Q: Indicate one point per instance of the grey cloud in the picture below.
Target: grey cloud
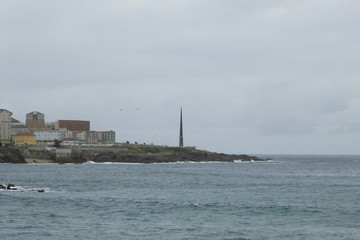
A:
(256, 74)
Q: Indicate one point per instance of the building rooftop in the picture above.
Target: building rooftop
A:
(41, 129)
(4, 110)
(35, 112)
(72, 120)
(13, 120)
(24, 134)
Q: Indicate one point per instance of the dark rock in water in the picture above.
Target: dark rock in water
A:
(11, 187)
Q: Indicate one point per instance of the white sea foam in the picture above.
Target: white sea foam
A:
(238, 161)
(202, 162)
(90, 162)
(25, 189)
(179, 162)
(251, 161)
(188, 162)
(110, 163)
(128, 163)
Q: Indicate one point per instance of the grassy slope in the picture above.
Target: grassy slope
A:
(144, 149)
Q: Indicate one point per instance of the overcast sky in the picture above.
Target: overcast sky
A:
(253, 76)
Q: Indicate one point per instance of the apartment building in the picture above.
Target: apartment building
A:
(5, 126)
(92, 136)
(106, 136)
(49, 135)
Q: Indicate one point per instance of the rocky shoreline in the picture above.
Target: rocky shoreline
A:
(11, 155)
(122, 154)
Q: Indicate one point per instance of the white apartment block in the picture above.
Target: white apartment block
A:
(48, 135)
(92, 136)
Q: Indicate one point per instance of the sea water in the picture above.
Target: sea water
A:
(290, 197)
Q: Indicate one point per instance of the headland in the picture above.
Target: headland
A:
(124, 153)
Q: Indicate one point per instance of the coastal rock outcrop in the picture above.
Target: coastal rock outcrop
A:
(154, 154)
(11, 155)
(125, 153)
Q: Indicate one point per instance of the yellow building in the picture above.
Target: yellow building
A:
(24, 138)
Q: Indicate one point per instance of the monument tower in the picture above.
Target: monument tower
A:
(181, 138)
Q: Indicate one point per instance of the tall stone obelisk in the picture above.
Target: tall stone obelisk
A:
(181, 138)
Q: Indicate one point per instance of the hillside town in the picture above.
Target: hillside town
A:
(36, 131)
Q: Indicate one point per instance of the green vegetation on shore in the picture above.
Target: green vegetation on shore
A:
(145, 149)
(11, 155)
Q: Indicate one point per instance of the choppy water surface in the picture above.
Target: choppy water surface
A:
(291, 197)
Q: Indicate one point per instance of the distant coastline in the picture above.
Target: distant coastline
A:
(125, 153)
